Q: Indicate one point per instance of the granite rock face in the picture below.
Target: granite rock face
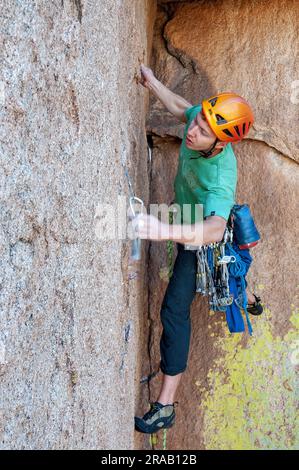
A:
(79, 332)
(71, 113)
(235, 386)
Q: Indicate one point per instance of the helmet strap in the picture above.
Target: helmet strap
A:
(209, 152)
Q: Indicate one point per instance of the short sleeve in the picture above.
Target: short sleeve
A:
(191, 112)
(218, 203)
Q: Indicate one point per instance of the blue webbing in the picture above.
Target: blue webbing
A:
(237, 285)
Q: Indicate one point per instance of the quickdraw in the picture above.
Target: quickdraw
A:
(136, 242)
(212, 276)
(133, 201)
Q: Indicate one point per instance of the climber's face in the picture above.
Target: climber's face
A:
(199, 135)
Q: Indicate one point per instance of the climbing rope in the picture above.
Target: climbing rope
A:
(153, 439)
(164, 438)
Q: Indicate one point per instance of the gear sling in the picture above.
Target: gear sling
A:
(222, 268)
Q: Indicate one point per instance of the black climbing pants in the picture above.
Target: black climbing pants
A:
(175, 313)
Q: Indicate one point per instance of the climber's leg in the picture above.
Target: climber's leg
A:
(170, 384)
(175, 318)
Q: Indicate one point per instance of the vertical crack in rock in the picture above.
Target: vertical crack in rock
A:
(126, 304)
(73, 379)
(127, 336)
(150, 321)
(78, 5)
(68, 302)
(74, 110)
(83, 419)
(185, 60)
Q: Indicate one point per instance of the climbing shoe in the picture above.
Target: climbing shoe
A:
(256, 308)
(158, 417)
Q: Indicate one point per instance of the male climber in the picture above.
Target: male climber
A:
(207, 175)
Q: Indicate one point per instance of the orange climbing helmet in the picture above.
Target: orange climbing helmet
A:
(229, 116)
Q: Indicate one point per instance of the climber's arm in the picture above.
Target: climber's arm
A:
(175, 104)
(210, 230)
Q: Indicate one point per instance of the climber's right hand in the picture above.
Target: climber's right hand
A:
(147, 76)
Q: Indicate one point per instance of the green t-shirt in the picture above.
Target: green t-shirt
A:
(210, 182)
